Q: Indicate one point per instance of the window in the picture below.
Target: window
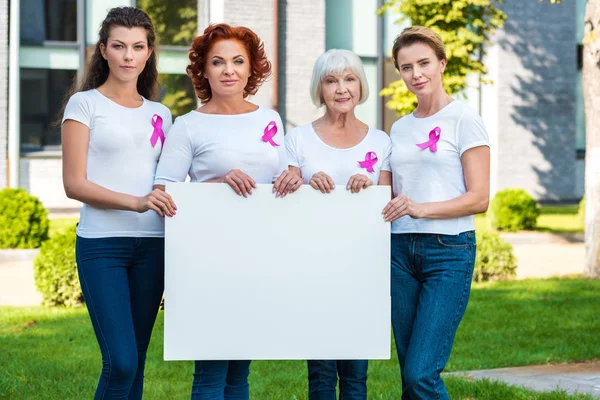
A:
(352, 25)
(48, 20)
(42, 95)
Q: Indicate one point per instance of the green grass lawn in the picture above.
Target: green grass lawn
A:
(552, 219)
(506, 324)
(560, 219)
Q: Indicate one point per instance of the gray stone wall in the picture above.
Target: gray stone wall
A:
(4, 12)
(536, 80)
(258, 15)
(300, 40)
(300, 45)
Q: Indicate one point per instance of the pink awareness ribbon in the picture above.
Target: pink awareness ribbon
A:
(157, 123)
(370, 160)
(434, 137)
(269, 133)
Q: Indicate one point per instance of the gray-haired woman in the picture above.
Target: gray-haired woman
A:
(339, 149)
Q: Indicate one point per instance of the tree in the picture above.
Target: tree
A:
(591, 94)
(464, 26)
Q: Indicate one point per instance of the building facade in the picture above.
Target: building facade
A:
(533, 109)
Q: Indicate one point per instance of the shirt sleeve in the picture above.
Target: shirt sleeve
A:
(79, 108)
(283, 165)
(471, 132)
(291, 148)
(177, 154)
(167, 121)
(385, 165)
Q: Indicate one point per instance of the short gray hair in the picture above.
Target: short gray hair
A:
(336, 61)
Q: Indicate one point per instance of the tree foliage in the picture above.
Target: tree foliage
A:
(176, 24)
(175, 21)
(464, 26)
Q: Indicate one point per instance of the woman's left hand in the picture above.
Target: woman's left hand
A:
(288, 182)
(400, 206)
(357, 182)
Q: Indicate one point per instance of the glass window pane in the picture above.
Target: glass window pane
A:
(391, 29)
(42, 95)
(352, 25)
(175, 21)
(367, 112)
(48, 20)
(177, 93)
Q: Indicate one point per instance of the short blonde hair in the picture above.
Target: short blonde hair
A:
(336, 61)
(419, 34)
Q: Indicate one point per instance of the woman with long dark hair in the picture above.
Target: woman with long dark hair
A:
(112, 137)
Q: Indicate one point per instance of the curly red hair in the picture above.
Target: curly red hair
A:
(260, 67)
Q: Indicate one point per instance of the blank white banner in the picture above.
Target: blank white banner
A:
(301, 277)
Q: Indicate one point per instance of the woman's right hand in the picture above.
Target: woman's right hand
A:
(321, 181)
(157, 200)
(241, 183)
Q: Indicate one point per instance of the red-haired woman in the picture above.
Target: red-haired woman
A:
(227, 140)
(112, 137)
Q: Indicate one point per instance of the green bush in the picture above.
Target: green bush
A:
(23, 220)
(514, 210)
(494, 258)
(55, 271)
(581, 212)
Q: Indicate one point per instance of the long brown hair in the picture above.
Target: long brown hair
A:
(96, 71)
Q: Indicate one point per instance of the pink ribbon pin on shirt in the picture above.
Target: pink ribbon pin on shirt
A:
(157, 123)
(269, 133)
(370, 160)
(434, 137)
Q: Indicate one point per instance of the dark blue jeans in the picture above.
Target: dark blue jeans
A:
(323, 376)
(431, 283)
(221, 380)
(122, 280)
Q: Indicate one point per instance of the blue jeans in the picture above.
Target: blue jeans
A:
(323, 376)
(431, 282)
(122, 280)
(221, 380)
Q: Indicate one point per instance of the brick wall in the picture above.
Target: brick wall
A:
(42, 177)
(259, 16)
(303, 42)
(536, 80)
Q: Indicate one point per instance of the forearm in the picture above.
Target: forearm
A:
(97, 196)
(469, 203)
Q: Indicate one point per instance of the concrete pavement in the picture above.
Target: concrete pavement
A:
(573, 378)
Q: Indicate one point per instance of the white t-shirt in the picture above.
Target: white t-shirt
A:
(308, 152)
(427, 176)
(208, 146)
(120, 158)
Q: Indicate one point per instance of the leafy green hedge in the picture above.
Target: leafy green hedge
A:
(494, 258)
(23, 220)
(55, 271)
(513, 210)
